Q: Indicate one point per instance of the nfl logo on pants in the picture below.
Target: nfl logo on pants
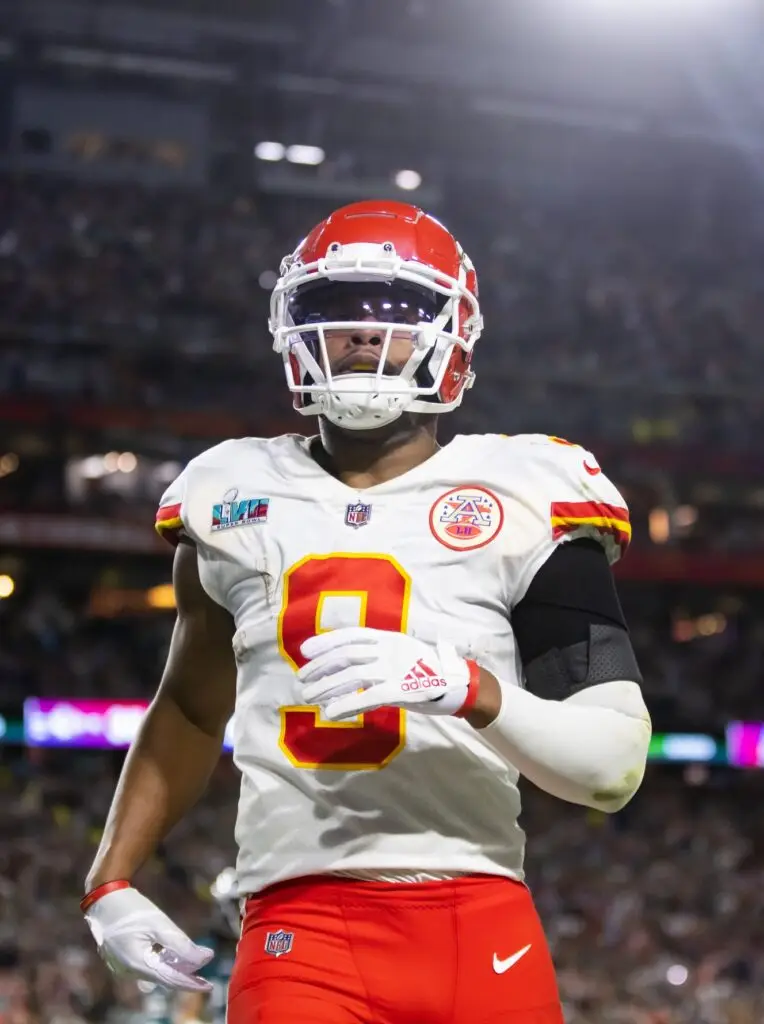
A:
(278, 943)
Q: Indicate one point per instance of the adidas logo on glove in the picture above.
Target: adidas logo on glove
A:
(422, 677)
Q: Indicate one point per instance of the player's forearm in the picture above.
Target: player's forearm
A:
(590, 749)
(165, 773)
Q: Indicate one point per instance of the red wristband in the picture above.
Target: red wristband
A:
(95, 895)
(472, 689)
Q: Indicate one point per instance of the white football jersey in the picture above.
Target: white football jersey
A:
(446, 550)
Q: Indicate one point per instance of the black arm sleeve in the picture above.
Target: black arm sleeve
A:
(569, 627)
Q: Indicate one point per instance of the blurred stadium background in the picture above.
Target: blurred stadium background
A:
(602, 162)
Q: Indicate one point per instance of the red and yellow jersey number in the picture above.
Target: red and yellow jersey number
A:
(382, 588)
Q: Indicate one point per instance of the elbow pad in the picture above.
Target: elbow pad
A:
(605, 657)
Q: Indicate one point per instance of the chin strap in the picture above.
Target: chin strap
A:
(367, 406)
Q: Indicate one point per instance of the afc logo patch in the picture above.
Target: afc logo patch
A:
(466, 518)
(278, 943)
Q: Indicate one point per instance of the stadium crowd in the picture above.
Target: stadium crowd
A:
(53, 807)
(640, 328)
(57, 643)
(654, 915)
(609, 316)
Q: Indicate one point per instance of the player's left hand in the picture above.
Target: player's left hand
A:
(357, 669)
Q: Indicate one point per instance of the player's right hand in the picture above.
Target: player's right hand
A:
(136, 938)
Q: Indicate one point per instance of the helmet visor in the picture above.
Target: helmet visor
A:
(394, 302)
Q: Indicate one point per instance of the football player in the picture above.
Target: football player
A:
(403, 629)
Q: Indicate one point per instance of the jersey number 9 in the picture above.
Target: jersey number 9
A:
(382, 588)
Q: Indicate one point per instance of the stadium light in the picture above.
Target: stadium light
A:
(9, 464)
(311, 156)
(685, 516)
(270, 151)
(7, 586)
(224, 885)
(677, 974)
(267, 280)
(648, 12)
(167, 471)
(161, 597)
(111, 462)
(127, 462)
(408, 180)
(659, 525)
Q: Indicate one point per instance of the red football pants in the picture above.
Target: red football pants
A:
(466, 951)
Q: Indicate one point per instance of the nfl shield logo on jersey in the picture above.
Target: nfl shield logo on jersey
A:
(278, 943)
(357, 515)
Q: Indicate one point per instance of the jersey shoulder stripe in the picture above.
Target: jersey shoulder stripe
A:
(570, 516)
(168, 522)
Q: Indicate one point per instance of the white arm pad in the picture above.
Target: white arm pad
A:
(590, 749)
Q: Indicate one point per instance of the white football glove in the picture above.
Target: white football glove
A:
(135, 937)
(390, 669)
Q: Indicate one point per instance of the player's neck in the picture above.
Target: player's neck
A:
(364, 458)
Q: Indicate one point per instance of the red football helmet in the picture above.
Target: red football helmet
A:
(381, 267)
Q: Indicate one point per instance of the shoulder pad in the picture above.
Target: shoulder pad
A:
(579, 499)
(170, 521)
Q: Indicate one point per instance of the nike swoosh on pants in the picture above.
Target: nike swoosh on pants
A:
(500, 966)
